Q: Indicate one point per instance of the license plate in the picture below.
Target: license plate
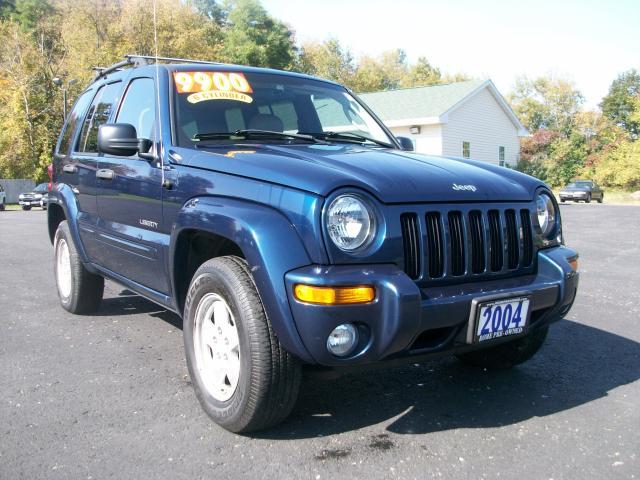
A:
(501, 318)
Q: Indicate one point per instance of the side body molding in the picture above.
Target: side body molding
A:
(270, 244)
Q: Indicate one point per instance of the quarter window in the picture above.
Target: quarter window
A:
(139, 107)
(98, 114)
(72, 122)
(466, 149)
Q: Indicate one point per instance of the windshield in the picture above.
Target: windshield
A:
(208, 102)
(579, 185)
(41, 188)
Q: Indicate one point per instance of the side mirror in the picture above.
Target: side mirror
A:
(121, 139)
(406, 143)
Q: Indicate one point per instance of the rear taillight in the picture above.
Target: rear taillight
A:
(50, 172)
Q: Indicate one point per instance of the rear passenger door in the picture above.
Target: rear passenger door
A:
(130, 226)
(80, 165)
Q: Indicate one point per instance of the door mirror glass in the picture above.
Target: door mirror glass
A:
(405, 143)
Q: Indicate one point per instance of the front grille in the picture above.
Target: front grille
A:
(453, 244)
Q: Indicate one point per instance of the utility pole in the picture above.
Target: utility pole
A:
(60, 84)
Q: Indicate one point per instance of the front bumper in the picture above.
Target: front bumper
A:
(573, 195)
(31, 203)
(406, 321)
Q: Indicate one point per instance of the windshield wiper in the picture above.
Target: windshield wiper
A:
(351, 137)
(252, 133)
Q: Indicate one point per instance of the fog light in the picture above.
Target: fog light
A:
(343, 340)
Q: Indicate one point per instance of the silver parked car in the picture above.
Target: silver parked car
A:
(39, 197)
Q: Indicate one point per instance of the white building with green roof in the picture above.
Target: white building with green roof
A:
(464, 119)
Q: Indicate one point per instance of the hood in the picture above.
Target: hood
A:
(391, 175)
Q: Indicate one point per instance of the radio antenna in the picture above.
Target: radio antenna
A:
(158, 135)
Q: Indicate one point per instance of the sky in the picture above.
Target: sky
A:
(589, 42)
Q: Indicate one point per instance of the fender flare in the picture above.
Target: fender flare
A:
(270, 244)
(63, 196)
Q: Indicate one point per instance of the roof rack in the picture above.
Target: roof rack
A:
(142, 60)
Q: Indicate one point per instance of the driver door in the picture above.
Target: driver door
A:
(129, 192)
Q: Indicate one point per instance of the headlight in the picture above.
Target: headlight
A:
(546, 214)
(350, 223)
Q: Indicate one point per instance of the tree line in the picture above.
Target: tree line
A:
(568, 142)
(43, 40)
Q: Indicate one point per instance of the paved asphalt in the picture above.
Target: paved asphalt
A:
(108, 396)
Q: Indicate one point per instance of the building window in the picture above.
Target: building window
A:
(466, 149)
(501, 156)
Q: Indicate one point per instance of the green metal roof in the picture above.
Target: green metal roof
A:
(419, 102)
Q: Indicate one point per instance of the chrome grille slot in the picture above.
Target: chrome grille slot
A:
(527, 238)
(512, 241)
(435, 244)
(477, 241)
(456, 239)
(495, 241)
(411, 244)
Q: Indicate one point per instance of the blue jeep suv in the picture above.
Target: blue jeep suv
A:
(288, 227)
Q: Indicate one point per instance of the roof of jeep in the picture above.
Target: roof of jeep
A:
(224, 67)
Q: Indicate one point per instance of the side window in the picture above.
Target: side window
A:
(72, 122)
(98, 114)
(501, 156)
(139, 107)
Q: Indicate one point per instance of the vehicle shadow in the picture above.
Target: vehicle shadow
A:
(129, 303)
(577, 365)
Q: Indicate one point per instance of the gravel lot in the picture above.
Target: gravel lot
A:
(108, 396)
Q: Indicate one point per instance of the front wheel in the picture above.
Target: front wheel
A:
(243, 378)
(2, 207)
(588, 199)
(26, 208)
(80, 291)
(507, 355)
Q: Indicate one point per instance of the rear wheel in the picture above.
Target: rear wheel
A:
(243, 378)
(80, 291)
(507, 355)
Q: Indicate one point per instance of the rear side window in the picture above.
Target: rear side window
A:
(98, 114)
(139, 107)
(72, 122)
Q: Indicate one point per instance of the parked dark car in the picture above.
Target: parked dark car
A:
(38, 197)
(582, 191)
(286, 225)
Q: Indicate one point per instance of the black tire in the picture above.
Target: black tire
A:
(562, 200)
(86, 288)
(601, 199)
(269, 377)
(507, 355)
(588, 199)
(26, 208)
(2, 207)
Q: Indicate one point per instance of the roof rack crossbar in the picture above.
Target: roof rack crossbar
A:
(141, 60)
(170, 59)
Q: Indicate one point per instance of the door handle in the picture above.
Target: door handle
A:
(105, 174)
(69, 168)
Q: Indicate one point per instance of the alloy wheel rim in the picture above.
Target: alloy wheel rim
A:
(63, 268)
(217, 347)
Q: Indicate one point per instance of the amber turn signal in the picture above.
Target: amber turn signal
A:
(334, 295)
(574, 263)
